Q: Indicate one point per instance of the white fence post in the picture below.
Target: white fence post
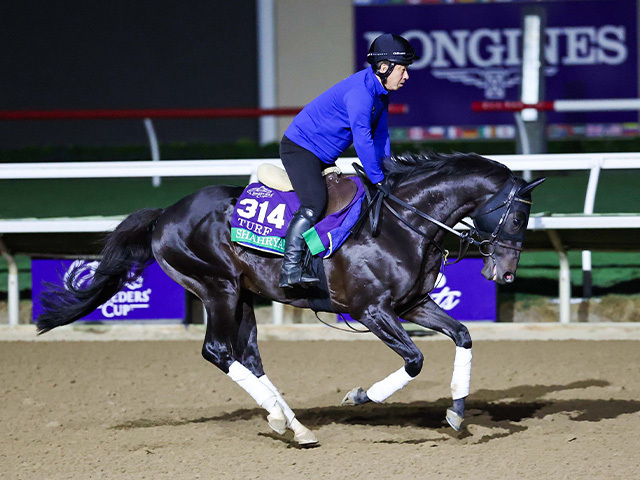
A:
(155, 149)
(13, 292)
(564, 277)
(589, 202)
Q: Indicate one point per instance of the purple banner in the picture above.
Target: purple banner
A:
(472, 52)
(154, 296)
(464, 293)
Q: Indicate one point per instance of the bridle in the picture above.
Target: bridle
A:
(506, 206)
(486, 246)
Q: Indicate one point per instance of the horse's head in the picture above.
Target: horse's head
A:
(501, 224)
(437, 182)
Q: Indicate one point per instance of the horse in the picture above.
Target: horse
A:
(374, 278)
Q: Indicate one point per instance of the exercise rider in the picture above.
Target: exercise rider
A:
(354, 111)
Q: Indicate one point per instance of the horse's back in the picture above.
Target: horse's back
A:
(197, 221)
(214, 200)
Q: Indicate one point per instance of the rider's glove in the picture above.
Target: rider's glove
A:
(384, 187)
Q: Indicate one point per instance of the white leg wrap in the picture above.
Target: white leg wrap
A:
(254, 387)
(285, 408)
(383, 389)
(301, 432)
(461, 373)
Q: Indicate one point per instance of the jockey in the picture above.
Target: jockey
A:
(354, 111)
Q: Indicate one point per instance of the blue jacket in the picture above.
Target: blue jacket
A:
(354, 111)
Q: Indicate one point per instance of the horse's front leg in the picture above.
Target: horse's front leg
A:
(431, 316)
(385, 325)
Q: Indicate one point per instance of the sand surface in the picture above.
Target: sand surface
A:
(157, 410)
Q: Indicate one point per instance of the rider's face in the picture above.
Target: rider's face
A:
(398, 76)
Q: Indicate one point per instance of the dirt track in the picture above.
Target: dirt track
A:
(157, 410)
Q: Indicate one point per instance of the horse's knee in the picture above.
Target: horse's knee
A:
(214, 352)
(414, 367)
(462, 338)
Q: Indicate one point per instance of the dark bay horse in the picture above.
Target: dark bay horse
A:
(374, 279)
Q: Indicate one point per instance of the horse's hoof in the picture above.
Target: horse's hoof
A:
(277, 421)
(356, 396)
(305, 438)
(454, 419)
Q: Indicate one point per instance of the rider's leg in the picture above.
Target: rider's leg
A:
(292, 274)
(305, 172)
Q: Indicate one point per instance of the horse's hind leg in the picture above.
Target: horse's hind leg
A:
(226, 348)
(431, 316)
(231, 342)
(224, 337)
(247, 353)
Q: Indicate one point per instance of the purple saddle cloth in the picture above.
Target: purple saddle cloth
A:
(262, 215)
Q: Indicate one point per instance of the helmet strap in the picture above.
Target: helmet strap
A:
(385, 75)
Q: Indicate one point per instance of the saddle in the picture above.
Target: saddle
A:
(340, 188)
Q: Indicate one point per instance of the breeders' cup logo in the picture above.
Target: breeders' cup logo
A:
(446, 298)
(81, 273)
(260, 192)
(489, 59)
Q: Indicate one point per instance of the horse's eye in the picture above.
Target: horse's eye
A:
(519, 221)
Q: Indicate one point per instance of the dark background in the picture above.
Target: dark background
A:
(127, 55)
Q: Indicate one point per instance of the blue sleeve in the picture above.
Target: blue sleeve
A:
(359, 104)
(381, 138)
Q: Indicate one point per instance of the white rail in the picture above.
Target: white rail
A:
(246, 167)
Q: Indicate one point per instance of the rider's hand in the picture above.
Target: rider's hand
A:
(384, 187)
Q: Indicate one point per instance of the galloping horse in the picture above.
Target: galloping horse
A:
(373, 279)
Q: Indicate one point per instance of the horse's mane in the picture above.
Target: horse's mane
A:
(449, 164)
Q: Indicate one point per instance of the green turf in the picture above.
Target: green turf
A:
(608, 268)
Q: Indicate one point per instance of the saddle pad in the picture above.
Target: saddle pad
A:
(329, 233)
(262, 215)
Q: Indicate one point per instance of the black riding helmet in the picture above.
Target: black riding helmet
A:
(393, 48)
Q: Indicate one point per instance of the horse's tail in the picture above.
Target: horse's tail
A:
(125, 254)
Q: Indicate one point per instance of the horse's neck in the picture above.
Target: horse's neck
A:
(451, 199)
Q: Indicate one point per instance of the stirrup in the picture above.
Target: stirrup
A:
(305, 281)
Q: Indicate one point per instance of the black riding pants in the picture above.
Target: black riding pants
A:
(305, 172)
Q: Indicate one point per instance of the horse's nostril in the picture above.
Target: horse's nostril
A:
(509, 277)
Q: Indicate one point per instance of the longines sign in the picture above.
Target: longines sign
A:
(472, 52)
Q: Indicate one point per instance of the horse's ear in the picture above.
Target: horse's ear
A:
(530, 186)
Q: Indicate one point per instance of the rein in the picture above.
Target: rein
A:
(485, 247)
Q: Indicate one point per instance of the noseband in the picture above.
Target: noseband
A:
(500, 204)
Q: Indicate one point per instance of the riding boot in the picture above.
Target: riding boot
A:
(292, 274)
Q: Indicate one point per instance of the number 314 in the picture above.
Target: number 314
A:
(275, 218)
